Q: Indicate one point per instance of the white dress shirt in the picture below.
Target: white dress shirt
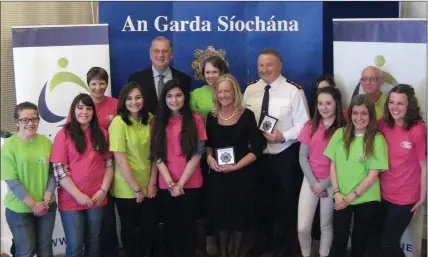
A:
(287, 103)
(168, 76)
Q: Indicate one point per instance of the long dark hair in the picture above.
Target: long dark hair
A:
(371, 130)
(218, 63)
(313, 93)
(121, 106)
(339, 120)
(73, 129)
(413, 114)
(188, 136)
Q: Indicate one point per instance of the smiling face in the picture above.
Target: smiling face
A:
(161, 54)
(398, 105)
(84, 115)
(360, 118)
(211, 74)
(134, 102)
(175, 100)
(226, 93)
(326, 105)
(269, 67)
(97, 88)
(28, 123)
(371, 80)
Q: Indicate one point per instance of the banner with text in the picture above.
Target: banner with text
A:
(399, 48)
(50, 66)
(242, 29)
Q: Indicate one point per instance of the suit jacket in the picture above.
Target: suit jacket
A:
(145, 79)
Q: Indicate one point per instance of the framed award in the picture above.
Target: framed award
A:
(268, 123)
(225, 156)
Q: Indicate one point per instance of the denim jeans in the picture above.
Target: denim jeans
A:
(82, 231)
(32, 234)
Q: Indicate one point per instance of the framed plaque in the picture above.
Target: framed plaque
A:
(225, 156)
(268, 123)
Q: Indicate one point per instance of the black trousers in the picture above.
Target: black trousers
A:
(179, 215)
(205, 194)
(363, 223)
(109, 239)
(278, 180)
(392, 220)
(138, 225)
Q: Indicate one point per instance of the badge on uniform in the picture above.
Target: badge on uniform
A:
(225, 156)
(268, 123)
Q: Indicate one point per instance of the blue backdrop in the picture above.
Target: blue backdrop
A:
(301, 48)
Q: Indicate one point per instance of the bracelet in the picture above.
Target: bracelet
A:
(356, 194)
(48, 202)
(336, 191)
(171, 184)
(158, 161)
(138, 191)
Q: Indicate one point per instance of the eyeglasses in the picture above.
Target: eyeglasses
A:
(157, 51)
(27, 120)
(369, 79)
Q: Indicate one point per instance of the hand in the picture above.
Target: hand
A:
(40, 209)
(152, 191)
(139, 196)
(98, 197)
(213, 163)
(317, 188)
(176, 191)
(274, 137)
(323, 194)
(340, 201)
(83, 199)
(416, 208)
(227, 168)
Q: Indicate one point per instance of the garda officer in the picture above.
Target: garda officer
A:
(279, 177)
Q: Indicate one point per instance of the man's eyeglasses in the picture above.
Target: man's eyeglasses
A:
(27, 120)
(157, 51)
(369, 79)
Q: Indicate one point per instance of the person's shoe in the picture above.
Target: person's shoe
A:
(258, 250)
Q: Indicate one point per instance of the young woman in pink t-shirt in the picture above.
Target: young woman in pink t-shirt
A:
(315, 165)
(177, 143)
(403, 186)
(83, 168)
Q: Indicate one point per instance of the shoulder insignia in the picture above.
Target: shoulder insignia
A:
(295, 84)
(252, 82)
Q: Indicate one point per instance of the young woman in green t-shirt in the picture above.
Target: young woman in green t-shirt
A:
(30, 202)
(357, 152)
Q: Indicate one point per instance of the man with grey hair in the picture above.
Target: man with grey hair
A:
(152, 79)
(371, 82)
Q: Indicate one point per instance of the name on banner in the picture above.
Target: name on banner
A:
(224, 24)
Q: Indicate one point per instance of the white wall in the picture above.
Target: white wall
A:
(413, 9)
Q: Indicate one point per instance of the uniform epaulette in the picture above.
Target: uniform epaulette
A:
(252, 82)
(295, 84)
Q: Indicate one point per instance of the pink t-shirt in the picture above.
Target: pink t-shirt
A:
(176, 161)
(320, 163)
(401, 183)
(106, 111)
(86, 170)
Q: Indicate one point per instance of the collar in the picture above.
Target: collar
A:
(381, 98)
(167, 73)
(274, 84)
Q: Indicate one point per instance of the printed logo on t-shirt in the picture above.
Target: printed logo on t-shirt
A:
(406, 144)
(43, 160)
(110, 117)
(361, 157)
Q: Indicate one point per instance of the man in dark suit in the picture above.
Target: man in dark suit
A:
(152, 79)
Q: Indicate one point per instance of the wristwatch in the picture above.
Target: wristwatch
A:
(48, 202)
(282, 141)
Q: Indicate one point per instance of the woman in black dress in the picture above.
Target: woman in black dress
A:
(231, 125)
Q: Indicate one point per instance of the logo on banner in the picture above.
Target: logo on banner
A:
(389, 83)
(57, 79)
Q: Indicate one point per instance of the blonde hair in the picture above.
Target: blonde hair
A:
(236, 89)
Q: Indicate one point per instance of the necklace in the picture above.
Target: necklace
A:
(233, 114)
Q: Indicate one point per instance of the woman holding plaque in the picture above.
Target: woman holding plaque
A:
(403, 185)
(201, 101)
(358, 152)
(316, 167)
(233, 144)
(177, 144)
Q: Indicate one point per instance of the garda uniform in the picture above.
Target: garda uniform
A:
(278, 175)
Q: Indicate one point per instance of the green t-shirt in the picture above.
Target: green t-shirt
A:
(353, 170)
(201, 101)
(134, 141)
(380, 106)
(28, 162)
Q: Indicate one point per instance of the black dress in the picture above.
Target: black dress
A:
(229, 198)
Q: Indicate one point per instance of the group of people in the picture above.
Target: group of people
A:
(154, 155)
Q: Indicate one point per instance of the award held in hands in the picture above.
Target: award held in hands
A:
(225, 156)
(268, 123)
